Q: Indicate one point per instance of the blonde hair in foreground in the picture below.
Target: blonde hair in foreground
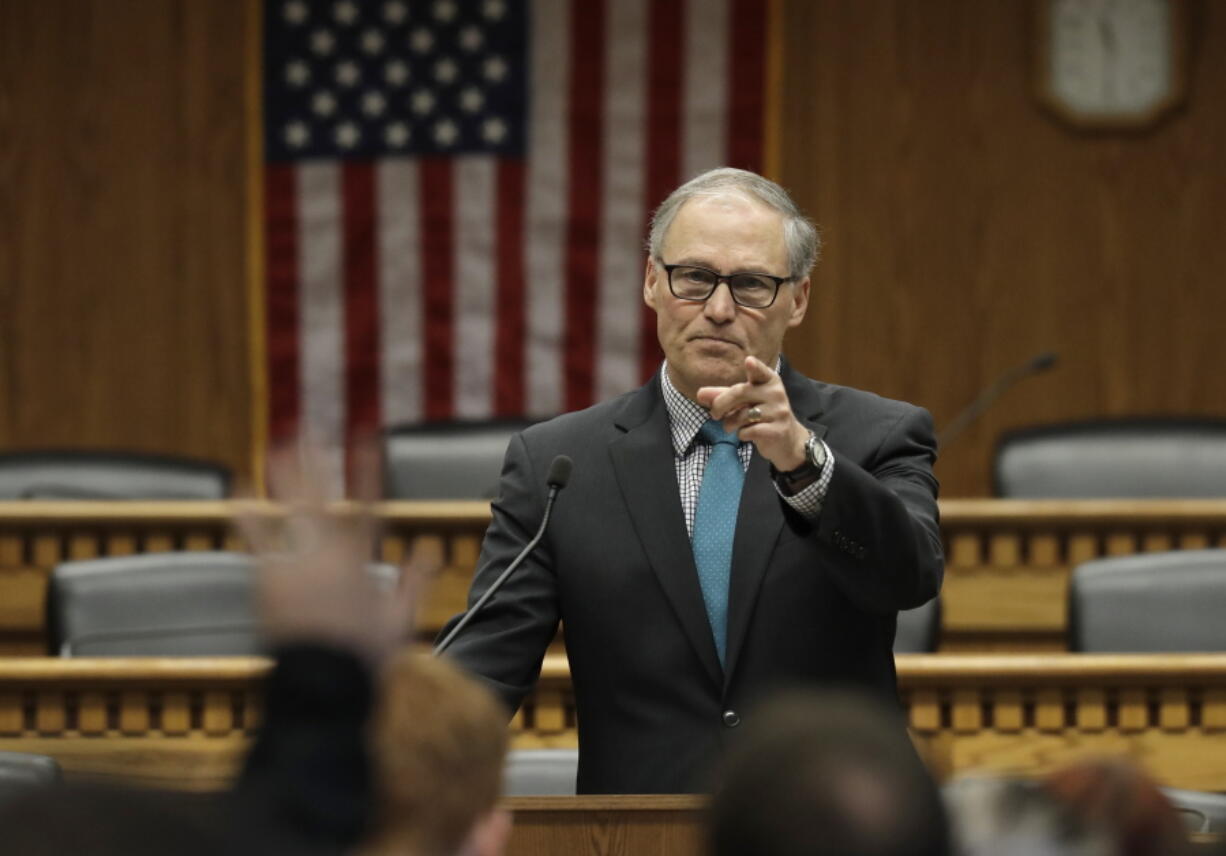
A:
(438, 744)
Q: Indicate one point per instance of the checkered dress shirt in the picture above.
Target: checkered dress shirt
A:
(690, 456)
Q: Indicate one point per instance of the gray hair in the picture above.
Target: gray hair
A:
(799, 234)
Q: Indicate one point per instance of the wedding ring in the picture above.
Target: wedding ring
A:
(754, 414)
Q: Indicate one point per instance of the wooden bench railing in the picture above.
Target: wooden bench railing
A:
(1007, 562)
(184, 723)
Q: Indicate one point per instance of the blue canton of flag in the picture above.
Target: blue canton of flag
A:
(372, 79)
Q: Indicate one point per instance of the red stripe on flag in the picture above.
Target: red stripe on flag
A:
(665, 88)
(358, 255)
(438, 276)
(586, 128)
(510, 329)
(281, 235)
(747, 83)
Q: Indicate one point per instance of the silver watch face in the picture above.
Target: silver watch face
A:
(814, 451)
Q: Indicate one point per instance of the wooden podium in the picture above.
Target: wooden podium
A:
(607, 825)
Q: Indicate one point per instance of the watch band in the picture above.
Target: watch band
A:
(809, 471)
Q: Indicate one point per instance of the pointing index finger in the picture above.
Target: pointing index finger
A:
(757, 371)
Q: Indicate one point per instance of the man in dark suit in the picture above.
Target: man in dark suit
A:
(729, 528)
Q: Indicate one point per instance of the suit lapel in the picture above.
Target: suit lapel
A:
(646, 474)
(760, 521)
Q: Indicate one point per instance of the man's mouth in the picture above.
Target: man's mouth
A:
(720, 339)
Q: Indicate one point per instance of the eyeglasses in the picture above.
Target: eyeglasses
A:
(751, 290)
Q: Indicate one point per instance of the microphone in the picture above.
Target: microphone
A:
(559, 475)
(986, 398)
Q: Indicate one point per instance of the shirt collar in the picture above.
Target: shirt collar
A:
(685, 417)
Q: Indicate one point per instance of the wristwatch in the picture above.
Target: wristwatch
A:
(809, 471)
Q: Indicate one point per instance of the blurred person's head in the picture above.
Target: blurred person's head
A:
(1014, 817)
(1117, 795)
(439, 743)
(826, 773)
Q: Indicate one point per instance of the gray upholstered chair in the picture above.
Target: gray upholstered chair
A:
(540, 772)
(1201, 811)
(157, 604)
(71, 474)
(22, 772)
(919, 629)
(190, 604)
(1172, 601)
(1113, 458)
(448, 460)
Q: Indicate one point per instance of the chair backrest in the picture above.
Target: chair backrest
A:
(1201, 811)
(540, 772)
(72, 474)
(190, 604)
(919, 629)
(1150, 602)
(1113, 458)
(157, 604)
(448, 460)
(22, 772)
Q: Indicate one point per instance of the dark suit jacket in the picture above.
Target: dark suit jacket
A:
(808, 603)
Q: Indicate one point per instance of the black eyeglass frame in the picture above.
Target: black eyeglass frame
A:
(721, 278)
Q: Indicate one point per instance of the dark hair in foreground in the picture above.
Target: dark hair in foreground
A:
(826, 774)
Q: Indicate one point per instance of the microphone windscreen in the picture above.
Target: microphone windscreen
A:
(559, 472)
(1044, 361)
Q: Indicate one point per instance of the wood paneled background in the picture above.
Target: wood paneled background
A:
(123, 315)
(965, 230)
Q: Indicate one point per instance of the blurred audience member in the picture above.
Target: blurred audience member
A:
(1013, 817)
(439, 745)
(822, 772)
(1118, 796)
(308, 785)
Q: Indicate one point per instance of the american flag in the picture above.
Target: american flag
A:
(457, 195)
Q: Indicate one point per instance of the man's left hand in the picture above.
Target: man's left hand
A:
(776, 432)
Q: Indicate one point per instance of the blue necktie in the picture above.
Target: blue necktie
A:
(715, 525)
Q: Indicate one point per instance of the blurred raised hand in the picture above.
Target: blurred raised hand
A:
(313, 558)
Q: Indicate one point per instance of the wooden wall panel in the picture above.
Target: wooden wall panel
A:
(123, 300)
(967, 231)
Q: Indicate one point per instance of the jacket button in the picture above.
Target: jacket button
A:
(731, 718)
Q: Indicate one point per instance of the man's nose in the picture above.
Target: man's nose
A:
(720, 306)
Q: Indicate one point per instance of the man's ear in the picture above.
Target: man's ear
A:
(651, 283)
(800, 302)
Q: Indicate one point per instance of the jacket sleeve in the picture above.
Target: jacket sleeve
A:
(879, 522)
(307, 783)
(505, 644)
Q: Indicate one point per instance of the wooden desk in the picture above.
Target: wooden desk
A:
(1007, 562)
(184, 723)
(1024, 714)
(169, 723)
(1019, 714)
